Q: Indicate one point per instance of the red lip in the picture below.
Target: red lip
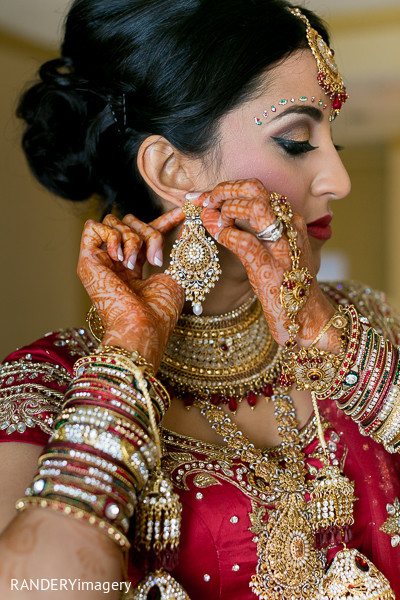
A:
(320, 228)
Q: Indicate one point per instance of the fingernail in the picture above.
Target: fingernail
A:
(193, 195)
(158, 258)
(206, 201)
(131, 262)
(216, 236)
(120, 254)
(220, 221)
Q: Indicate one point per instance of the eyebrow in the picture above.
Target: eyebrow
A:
(310, 111)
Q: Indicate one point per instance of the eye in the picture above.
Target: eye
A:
(293, 147)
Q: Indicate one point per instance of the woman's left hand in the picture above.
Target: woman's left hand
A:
(265, 262)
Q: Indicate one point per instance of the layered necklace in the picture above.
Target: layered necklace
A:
(223, 360)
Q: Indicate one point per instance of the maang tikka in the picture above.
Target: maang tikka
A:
(194, 261)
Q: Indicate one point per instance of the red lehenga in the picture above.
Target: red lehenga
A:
(223, 509)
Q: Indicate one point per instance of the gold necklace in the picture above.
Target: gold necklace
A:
(224, 358)
(288, 565)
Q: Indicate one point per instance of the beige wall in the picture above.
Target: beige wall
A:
(359, 220)
(39, 235)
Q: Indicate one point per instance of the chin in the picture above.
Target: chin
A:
(316, 251)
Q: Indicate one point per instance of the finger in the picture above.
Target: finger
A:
(168, 220)
(131, 241)
(229, 190)
(152, 237)
(95, 235)
(256, 211)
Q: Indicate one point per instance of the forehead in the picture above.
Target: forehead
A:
(297, 71)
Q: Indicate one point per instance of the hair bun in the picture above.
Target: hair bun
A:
(58, 71)
(63, 123)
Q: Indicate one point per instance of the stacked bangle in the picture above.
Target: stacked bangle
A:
(364, 378)
(105, 443)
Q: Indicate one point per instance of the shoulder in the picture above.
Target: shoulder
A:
(369, 302)
(33, 381)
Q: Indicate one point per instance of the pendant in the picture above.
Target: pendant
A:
(352, 575)
(289, 567)
(161, 585)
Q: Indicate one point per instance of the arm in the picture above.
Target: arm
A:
(139, 315)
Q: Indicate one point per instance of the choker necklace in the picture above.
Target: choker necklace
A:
(224, 359)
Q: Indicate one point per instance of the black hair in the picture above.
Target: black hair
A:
(132, 68)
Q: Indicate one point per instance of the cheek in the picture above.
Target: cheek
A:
(276, 173)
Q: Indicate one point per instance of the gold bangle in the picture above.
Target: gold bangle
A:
(132, 358)
(112, 532)
(338, 320)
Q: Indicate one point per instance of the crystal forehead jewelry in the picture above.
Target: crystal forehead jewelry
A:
(194, 261)
(329, 77)
(287, 101)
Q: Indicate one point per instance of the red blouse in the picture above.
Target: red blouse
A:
(223, 510)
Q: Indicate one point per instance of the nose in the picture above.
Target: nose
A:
(331, 178)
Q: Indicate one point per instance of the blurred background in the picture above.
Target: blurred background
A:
(39, 234)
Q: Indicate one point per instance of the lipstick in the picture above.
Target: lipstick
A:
(320, 228)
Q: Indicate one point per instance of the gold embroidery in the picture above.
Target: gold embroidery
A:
(392, 524)
(24, 403)
(203, 480)
(78, 341)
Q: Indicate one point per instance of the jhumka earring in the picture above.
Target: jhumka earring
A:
(194, 261)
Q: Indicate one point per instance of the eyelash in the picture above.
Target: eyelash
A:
(294, 148)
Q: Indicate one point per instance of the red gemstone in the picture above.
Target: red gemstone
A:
(315, 377)
(215, 399)
(232, 404)
(188, 400)
(301, 292)
(361, 564)
(337, 103)
(347, 535)
(251, 399)
(267, 390)
(224, 347)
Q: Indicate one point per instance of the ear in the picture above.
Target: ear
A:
(165, 169)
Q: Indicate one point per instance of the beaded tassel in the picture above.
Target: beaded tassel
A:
(158, 522)
(331, 507)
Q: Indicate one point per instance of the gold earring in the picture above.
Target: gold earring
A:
(194, 261)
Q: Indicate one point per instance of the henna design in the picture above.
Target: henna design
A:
(265, 262)
(137, 314)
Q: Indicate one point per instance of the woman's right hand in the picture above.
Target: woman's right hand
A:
(137, 314)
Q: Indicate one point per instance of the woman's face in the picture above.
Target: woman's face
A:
(292, 151)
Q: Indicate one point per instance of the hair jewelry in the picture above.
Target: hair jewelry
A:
(329, 77)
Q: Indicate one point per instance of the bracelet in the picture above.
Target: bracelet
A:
(112, 532)
(105, 443)
(338, 320)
